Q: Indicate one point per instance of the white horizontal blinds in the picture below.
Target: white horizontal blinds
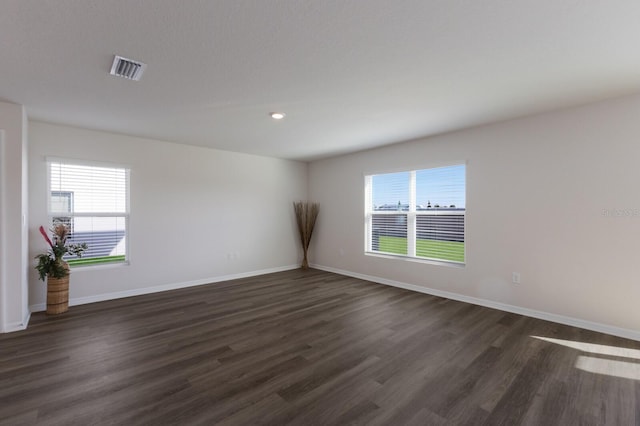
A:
(440, 213)
(390, 202)
(105, 235)
(93, 202)
(94, 189)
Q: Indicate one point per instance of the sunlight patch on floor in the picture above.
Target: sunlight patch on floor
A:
(594, 348)
(610, 367)
(598, 363)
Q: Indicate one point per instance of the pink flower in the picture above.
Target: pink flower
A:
(46, 237)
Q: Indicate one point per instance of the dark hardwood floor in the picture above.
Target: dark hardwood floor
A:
(307, 348)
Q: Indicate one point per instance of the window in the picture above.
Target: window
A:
(417, 214)
(93, 201)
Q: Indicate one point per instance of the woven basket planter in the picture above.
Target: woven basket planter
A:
(57, 294)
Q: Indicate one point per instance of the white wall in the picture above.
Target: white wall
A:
(14, 313)
(538, 190)
(190, 208)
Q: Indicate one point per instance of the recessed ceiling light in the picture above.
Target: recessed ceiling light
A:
(277, 115)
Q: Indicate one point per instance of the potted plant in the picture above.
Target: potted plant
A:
(52, 266)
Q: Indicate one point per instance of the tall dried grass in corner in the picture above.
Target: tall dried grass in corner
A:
(306, 214)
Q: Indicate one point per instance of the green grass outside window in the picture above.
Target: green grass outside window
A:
(90, 261)
(432, 249)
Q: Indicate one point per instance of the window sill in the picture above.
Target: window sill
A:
(99, 266)
(434, 262)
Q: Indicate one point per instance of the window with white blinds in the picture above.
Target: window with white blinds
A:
(418, 213)
(93, 201)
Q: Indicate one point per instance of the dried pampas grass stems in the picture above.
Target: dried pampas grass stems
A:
(306, 215)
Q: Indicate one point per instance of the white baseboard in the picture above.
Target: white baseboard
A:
(561, 319)
(155, 289)
(17, 326)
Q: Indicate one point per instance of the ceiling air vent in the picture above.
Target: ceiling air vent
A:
(123, 67)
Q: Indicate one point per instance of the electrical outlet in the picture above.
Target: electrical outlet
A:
(515, 277)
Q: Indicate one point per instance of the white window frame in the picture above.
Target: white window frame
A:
(88, 163)
(412, 215)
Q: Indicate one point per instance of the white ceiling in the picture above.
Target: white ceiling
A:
(349, 74)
